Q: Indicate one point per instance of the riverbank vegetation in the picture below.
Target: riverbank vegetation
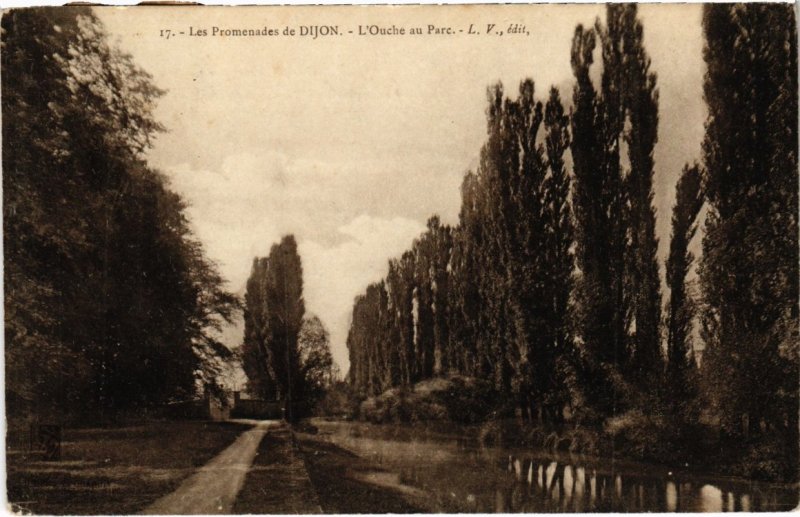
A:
(550, 289)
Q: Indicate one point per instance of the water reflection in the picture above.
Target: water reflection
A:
(559, 487)
(464, 477)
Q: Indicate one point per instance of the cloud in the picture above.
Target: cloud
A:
(352, 146)
(241, 209)
(335, 275)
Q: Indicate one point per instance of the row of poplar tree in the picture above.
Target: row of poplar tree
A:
(110, 302)
(549, 285)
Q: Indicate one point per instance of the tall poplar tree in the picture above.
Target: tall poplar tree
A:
(525, 242)
(400, 287)
(464, 293)
(749, 268)
(642, 282)
(273, 318)
(559, 257)
(499, 159)
(598, 200)
(440, 285)
(423, 250)
(619, 300)
(680, 310)
(285, 308)
(255, 356)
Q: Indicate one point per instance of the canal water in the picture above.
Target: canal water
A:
(457, 474)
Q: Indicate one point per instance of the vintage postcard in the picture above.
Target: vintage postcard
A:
(401, 259)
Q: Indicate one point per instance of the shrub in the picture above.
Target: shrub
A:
(767, 459)
(457, 399)
(641, 436)
(339, 401)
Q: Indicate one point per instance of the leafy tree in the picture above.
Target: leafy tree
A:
(400, 288)
(257, 332)
(317, 369)
(497, 327)
(464, 295)
(424, 356)
(619, 287)
(274, 310)
(643, 296)
(559, 257)
(598, 199)
(110, 303)
(680, 312)
(749, 268)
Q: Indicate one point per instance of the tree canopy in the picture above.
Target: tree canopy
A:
(110, 301)
(552, 278)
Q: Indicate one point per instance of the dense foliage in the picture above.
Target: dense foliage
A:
(286, 357)
(549, 285)
(110, 303)
(273, 316)
(749, 267)
(317, 368)
(543, 301)
(680, 355)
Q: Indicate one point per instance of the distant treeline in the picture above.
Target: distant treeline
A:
(549, 285)
(109, 299)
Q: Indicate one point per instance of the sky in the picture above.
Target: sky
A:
(351, 142)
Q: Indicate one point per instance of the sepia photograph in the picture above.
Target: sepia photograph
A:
(398, 259)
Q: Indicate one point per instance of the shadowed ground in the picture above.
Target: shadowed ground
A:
(347, 483)
(278, 482)
(213, 489)
(113, 470)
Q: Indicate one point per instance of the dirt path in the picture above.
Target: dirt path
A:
(214, 487)
(278, 481)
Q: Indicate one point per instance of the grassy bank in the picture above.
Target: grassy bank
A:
(346, 483)
(277, 482)
(114, 470)
(463, 400)
(470, 407)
